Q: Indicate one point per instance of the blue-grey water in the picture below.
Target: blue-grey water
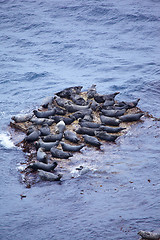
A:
(46, 46)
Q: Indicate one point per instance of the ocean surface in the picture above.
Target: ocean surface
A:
(46, 46)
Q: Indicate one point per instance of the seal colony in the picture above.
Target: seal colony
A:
(68, 122)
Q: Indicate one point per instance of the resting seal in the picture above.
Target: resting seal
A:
(91, 91)
(71, 107)
(113, 113)
(47, 101)
(60, 154)
(22, 117)
(41, 155)
(53, 137)
(45, 130)
(34, 136)
(46, 114)
(131, 117)
(46, 145)
(85, 130)
(71, 148)
(46, 167)
(47, 176)
(104, 136)
(71, 136)
(92, 141)
(109, 121)
(111, 129)
(60, 126)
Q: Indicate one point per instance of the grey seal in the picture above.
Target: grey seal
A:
(89, 124)
(60, 101)
(48, 176)
(40, 121)
(85, 130)
(47, 101)
(78, 100)
(131, 117)
(113, 113)
(71, 136)
(71, 148)
(104, 136)
(60, 127)
(41, 155)
(92, 141)
(44, 114)
(20, 118)
(45, 130)
(34, 136)
(53, 137)
(60, 154)
(91, 91)
(40, 165)
(67, 92)
(111, 129)
(109, 121)
(71, 107)
(46, 145)
(155, 235)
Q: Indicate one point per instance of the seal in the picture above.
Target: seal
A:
(94, 105)
(92, 141)
(60, 111)
(67, 92)
(80, 114)
(31, 129)
(89, 124)
(71, 136)
(46, 114)
(91, 91)
(109, 121)
(47, 101)
(66, 120)
(40, 121)
(88, 118)
(108, 103)
(48, 176)
(60, 101)
(40, 165)
(41, 155)
(71, 107)
(78, 100)
(34, 136)
(60, 127)
(46, 145)
(131, 117)
(113, 113)
(104, 136)
(20, 118)
(85, 130)
(60, 154)
(53, 137)
(71, 148)
(45, 130)
(111, 129)
(155, 235)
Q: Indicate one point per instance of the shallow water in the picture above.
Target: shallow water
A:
(47, 46)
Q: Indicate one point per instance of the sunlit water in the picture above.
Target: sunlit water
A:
(47, 46)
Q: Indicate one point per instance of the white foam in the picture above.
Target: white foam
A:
(5, 140)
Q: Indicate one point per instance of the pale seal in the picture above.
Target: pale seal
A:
(20, 118)
(48, 176)
(47, 101)
(41, 155)
(60, 127)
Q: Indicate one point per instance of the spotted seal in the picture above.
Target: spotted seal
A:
(92, 141)
(48, 176)
(59, 153)
(104, 136)
(131, 117)
(40, 165)
(71, 136)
